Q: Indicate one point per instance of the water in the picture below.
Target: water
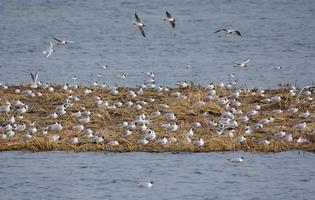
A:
(59, 175)
(275, 33)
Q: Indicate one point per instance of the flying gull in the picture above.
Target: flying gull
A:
(50, 50)
(170, 19)
(138, 23)
(62, 41)
(229, 31)
(242, 65)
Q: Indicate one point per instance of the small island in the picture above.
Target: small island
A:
(185, 118)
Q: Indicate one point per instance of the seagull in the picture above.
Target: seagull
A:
(74, 140)
(138, 23)
(146, 184)
(238, 160)
(62, 41)
(34, 79)
(242, 65)
(170, 19)
(229, 31)
(122, 76)
(50, 50)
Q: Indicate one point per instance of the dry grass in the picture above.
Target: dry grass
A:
(108, 123)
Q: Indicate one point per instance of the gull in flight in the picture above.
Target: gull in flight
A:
(229, 31)
(242, 65)
(34, 79)
(138, 23)
(62, 41)
(170, 19)
(50, 50)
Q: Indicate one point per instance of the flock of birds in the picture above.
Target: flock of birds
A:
(137, 22)
(228, 123)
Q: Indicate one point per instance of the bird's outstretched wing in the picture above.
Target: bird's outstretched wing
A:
(51, 44)
(238, 32)
(246, 61)
(142, 31)
(223, 29)
(137, 18)
(173, 24)
(168, 15)
(57, 39)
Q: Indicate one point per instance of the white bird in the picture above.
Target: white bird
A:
(122, 76)
(139, 24)
(76, 114)
(56, 127)
(85, 120)
(242, 64)
(32, 130)
(252, 113)
(74, 140)
(302, 140)
(300, 126)
(150, 134)
(97, 139)
(264, 142)
(78, 127)
(305, 115)
(26, 137)
(241, 139)
(146, 184)
(127, 132)
(20, 128)
(170, 19)
(113, 143)
(292, 110)
(34, 80)
(54, 138)
(182, 84)
(199, 143)
(6, 108)
(170, 116)
(172, 127)
(156, 113)
(190, 133)
(143, 141)
(53, 115)
(238, 160)
(279, 135)
(50, 50)
(229, 31)
(162, 141)
(3, 136)
(288, 138)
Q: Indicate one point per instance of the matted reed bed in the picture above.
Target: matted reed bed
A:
(107, 122)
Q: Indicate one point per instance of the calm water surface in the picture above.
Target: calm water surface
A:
(59, 175)
(275, 33)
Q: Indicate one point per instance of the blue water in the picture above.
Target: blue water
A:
(59, 175)
(275, 33)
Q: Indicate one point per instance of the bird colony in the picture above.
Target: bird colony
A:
(186, 117)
